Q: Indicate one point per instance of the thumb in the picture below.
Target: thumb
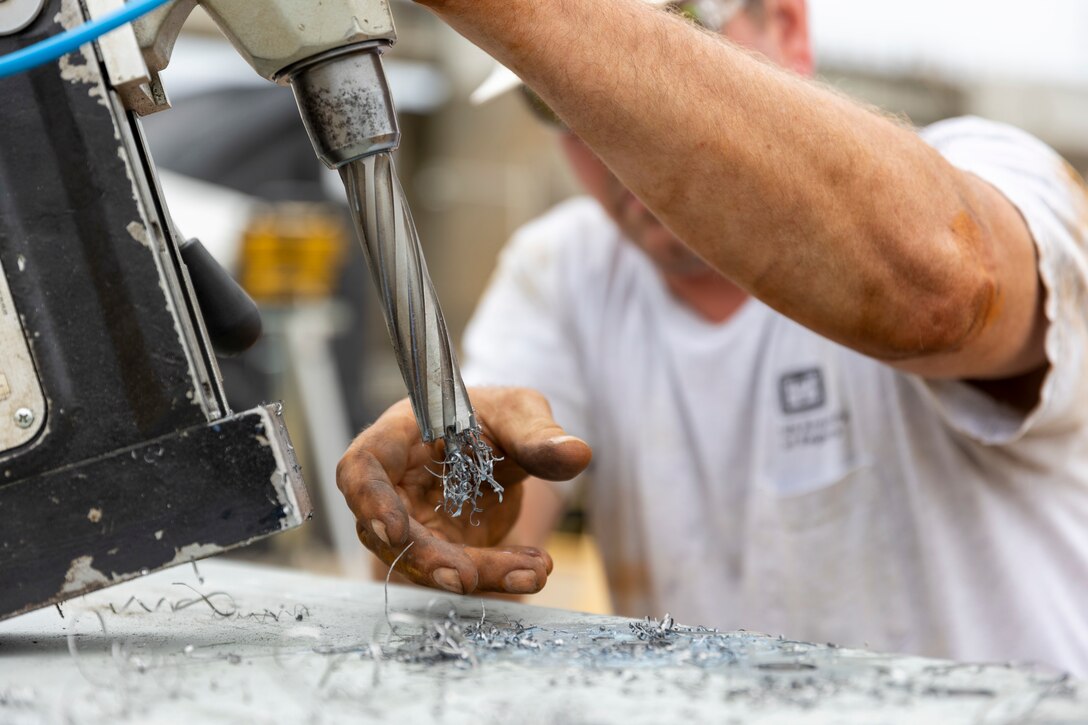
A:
(520, 422)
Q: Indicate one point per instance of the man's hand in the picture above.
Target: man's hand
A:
(388, 478)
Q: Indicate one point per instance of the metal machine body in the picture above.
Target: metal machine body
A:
(118, 452)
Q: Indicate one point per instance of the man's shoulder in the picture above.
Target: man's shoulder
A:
(969, 140)
(1050, 197)
(1045, 189)
(960, 127)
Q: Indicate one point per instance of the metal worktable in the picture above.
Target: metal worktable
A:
(253, 644)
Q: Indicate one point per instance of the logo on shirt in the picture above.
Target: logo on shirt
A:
(802, 391)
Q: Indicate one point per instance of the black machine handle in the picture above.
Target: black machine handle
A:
(231, 316)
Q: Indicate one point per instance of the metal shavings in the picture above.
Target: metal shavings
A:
(779, 670)
(655, 632)
(196, 571)
(297, 612)
(130, 657)
(388, 576)
(469, 464)
(440, 640)
(207, 600)
(134, 602)
(73, 647)
(468, 643)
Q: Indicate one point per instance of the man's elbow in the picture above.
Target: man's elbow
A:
(945, 321)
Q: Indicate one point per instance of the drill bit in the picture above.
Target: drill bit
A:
(418, 331)
(344, 100)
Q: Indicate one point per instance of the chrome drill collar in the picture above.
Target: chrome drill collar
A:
(345, 103)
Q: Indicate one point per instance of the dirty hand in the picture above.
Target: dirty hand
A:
(386, 477)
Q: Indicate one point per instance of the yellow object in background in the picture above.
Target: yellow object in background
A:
(292, 252)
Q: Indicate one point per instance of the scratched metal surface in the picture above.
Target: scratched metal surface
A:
(267, 645)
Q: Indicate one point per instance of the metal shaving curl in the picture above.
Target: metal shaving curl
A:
(469, 464)
(134, 604)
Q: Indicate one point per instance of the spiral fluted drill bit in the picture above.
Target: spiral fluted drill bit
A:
(418, 331)
(347, 109)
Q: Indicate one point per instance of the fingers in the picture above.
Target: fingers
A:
(458, 569)
(513, 570)
(430, 562)
(377, 460)
(371, 497)
(520, 421)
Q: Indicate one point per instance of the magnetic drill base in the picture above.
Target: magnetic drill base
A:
(169, 501)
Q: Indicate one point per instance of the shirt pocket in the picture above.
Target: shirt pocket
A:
(817, 475)
(810, 438)
(844, 563)
(829, 500)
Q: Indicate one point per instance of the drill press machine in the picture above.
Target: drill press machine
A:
(118, 452)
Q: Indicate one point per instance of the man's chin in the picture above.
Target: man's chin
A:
(680, 262)
(670, 256)
(696, 271)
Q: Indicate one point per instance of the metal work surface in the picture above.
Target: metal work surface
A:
(250, 644)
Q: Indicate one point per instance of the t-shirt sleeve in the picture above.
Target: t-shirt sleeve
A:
(1051, 198)
(522, 333)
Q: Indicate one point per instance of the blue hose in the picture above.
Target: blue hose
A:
(70, 40)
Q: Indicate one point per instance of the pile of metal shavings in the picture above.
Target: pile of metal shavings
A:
(756, 669)
(645, 643)
(468, 465)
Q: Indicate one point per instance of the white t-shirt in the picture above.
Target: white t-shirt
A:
(755, 475)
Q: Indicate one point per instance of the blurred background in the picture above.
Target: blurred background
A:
(239, 173)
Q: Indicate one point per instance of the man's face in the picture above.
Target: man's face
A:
(637, 223)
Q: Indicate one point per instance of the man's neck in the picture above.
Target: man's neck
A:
(712, 297)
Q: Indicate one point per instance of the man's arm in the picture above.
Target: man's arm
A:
(832, 214)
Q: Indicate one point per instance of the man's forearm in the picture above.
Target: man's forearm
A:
(834, 215)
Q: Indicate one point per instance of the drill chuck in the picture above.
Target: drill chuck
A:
(345, 103)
